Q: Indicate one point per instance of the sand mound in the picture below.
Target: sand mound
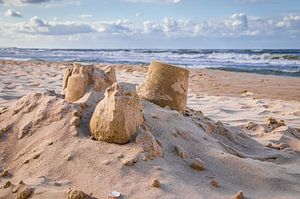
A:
(38, 147)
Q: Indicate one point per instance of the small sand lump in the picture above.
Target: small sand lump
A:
(239, 195)
(155, 183)
(129, 161)
(6, 184)
(75, 121)
(197, 164)
(181, 152)
(77, 194)
(215, 183)
(24, 192)
(5, 173)
(274, 123)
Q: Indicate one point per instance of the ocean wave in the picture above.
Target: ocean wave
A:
(287, 57)
(279, 61)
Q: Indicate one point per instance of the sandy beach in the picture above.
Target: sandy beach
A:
(226, 127)
(231, 97)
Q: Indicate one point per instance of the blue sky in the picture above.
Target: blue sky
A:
(150, 23)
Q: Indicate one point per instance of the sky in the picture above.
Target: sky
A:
(158, 24)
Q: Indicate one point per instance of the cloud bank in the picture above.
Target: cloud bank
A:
(236, 25)
(167, 32)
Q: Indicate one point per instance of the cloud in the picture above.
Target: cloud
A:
(57, 3)
(25, 2)
(150, 27)
(289, 21)
(34, 1)
(84, 16)
(12, 13)
(290, 24)
(38, 26)
(155, 1)
(237, 21)
(252, 1)
(234, 26)
(114, 27)
(18, 2)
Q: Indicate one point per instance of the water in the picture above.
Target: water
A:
(275, 62)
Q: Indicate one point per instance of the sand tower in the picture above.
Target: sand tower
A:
(166, 85)
(86, 83)
(117, 116)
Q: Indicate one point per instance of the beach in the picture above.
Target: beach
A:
(149, 99)
(232, 97)
(228, 127)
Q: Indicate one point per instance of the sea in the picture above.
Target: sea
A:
(284, 62)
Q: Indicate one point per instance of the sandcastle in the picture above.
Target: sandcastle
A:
(119, 112)
(166, 85)
(118, 115)
(85, 83)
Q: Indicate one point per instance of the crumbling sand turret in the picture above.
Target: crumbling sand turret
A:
(166, 85)
(86, 83)
(118, 115)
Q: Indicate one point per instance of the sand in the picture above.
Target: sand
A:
(49, 154)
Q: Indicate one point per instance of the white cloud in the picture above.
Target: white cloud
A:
(12, 13)
(46, 3)
(63, 2)
(237, 21)
(34, 1)
(38, 26)
(114, 27)
(20, 2)
(155, 1)
(289, 21)
(252, 1)
(150, 27)
(84, 16)
(234, 26)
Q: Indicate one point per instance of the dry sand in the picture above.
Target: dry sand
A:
(40, 146)
(234, 98)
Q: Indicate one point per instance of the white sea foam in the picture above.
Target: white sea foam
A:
(267, 61)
